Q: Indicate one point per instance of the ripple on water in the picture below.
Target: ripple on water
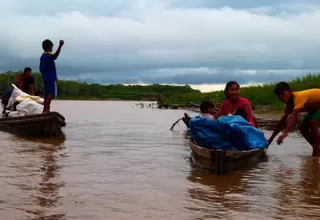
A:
(122, 162)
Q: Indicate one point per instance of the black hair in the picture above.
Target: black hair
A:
(46, 44)
(281, 87)
(228, 86)
(27, 69)
(205, 105)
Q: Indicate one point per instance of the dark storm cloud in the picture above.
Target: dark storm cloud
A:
(165, 41)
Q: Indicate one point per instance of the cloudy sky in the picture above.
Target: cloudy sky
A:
(165, 41)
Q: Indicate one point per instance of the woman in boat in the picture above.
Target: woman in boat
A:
(234, 104)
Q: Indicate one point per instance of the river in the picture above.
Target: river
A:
(121, 161)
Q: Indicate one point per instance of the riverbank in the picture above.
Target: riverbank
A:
(261, 96)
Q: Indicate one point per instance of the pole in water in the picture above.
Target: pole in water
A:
(174, 124)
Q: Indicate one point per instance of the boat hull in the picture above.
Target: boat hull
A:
(40, 125)
(221, 161)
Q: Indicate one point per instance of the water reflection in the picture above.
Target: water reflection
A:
(48, 192)
(55, 141)
(298, 189)
(309, 185)
(45, 158)
(186, 135)
(217, 194)
(131, 166)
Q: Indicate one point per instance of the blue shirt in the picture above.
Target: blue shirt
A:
(48, 67)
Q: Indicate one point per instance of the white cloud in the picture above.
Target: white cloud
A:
(126, 41)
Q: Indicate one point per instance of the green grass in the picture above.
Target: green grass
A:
(259, 95)
(79, 90)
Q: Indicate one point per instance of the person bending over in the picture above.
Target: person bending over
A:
(297, 102)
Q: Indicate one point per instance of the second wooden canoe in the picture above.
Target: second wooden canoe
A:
(39, 125)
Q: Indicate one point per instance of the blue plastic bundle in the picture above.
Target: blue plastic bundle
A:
(227, 133)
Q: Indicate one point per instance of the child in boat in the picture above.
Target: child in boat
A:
(207, 110)
(297, 102)
(48, 71)
(234, 104)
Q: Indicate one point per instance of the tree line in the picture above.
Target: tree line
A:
(71, 89)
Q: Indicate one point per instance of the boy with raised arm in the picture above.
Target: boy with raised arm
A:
(48, 71)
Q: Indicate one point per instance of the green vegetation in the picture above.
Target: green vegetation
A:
(258, 95)
(77, 90)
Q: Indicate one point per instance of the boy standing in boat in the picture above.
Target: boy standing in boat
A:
(297, 102)
(48, 71)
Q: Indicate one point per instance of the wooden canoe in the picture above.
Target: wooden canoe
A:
(221, 161)
(40, 125)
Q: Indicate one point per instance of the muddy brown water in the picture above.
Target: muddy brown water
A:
(120, 161)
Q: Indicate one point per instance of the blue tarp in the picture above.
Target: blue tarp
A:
(227, 133)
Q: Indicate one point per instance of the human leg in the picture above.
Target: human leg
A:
(50, 91)
(305, 131)
(316, 134)
(310, 131)
(46, 103)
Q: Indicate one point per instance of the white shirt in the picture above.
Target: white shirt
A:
(207, 115)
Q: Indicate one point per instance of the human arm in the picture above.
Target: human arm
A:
(221, 111)
(20, 81)
(244, 109)
(218, 114)
(292, 122)
(299, 105)
(249, 114)
(56, 54)
(279, 125)
(42, 64)
(31, 86)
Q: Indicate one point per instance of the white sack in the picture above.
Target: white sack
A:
(15, 114)
(29, 107)
(19, 95)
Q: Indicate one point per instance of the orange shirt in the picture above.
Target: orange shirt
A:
(301, 98)
(309, 96)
